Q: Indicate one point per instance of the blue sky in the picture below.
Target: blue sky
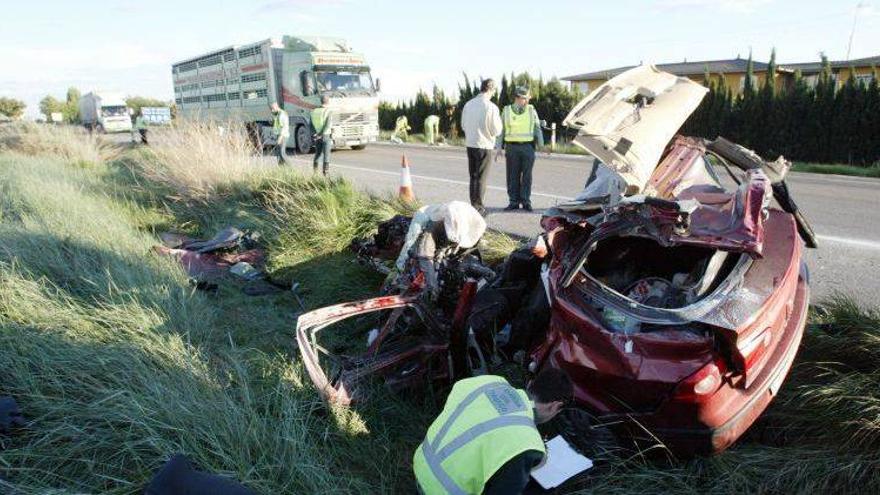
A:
(46, 46)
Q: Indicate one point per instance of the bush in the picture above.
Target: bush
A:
(197, 160)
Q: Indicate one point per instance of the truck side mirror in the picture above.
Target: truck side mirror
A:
(306, 80)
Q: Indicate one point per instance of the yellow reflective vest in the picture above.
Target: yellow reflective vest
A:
(485, 423)
(321, 121)
(281, 124)
(519, 127)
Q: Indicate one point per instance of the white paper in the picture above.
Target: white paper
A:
(562, 463)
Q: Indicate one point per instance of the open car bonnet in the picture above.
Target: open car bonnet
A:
(628, 121)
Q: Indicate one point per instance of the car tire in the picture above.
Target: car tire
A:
(100, 129)
(359, 147)
(303, 139)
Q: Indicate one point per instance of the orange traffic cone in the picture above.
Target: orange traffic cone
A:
(406, 186)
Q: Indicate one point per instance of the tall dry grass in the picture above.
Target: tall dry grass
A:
(198, 160)
(70, 143)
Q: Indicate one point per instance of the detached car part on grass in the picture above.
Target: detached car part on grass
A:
(677, 305)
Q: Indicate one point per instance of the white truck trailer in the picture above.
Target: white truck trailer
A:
(239, 83)
(104, 112)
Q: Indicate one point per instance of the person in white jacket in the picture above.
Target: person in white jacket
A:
(481, 123)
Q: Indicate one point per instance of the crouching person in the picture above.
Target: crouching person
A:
(436, 232)
(486, 440)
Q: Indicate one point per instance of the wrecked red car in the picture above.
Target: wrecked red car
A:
(677, 304)
(674, 297)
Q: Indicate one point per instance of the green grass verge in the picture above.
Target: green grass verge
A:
(118, 362)
(837, 169)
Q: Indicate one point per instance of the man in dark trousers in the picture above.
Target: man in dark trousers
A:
(520, 137)
(481, 123)
(322, 127)
(486, 441)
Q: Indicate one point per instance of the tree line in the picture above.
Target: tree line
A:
(804, 122)
(69, 107)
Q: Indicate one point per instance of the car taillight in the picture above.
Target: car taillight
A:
(702, 384)
(753, 350)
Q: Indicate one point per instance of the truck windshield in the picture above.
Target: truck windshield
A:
(114, 111)
(344, 80)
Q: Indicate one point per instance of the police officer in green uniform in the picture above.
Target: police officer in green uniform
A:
(486, 441)
(140, 123)
(322, 129)
(432, 128)
(281, 132)
(520, 137)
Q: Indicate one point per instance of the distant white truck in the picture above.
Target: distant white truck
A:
(104, 113)
(239, 83)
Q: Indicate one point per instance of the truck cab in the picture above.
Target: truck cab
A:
(315, 67)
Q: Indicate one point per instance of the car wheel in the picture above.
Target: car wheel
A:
(303, 139)
(359, 147)
(100, 129)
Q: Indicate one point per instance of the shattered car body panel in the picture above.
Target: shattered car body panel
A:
(628, 121)
(382, 358)
(681, 308)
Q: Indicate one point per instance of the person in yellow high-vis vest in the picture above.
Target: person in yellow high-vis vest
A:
(322, 129)
(280, 131)
(521, 137)
(432, 128)
(140, 123)
(486, 440)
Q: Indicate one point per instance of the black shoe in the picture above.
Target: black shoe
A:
(527, 207)
(511, 207)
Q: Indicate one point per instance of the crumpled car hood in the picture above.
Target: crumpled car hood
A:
(628, 121)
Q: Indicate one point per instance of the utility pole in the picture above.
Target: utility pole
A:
(859, 7)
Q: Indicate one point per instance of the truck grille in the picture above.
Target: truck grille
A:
(353, 118)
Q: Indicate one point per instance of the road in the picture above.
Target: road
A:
(844, 211)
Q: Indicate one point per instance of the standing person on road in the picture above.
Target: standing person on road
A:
(486, 441)
(281, 132)
(521, 136)
(141, 125)
(322, 129)
(432, 128)
(481, 123)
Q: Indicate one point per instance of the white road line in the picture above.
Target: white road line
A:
(861, 243)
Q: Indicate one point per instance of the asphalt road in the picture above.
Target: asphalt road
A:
(844, 211)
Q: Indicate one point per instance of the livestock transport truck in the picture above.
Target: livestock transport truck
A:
(239, 83)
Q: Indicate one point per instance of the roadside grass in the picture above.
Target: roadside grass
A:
(838, 169)
(118, 362)
(69, 143)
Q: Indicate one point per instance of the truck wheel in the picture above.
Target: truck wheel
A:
(303, 139)
(359, 147)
